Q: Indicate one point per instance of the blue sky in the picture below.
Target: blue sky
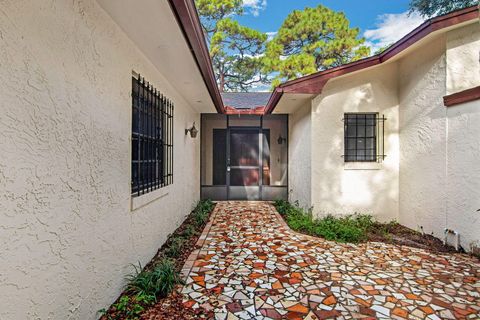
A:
(381, 21)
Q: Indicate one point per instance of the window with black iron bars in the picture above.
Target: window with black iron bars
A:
(152, 138)
(363, 137)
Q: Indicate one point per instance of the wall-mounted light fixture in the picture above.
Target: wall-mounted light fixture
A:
(193, 131)
(281, 140)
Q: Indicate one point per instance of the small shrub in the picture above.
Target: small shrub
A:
(175, 247)
(141, 284)
(201, 212)
(126, 308)
(282, 206)
(352, 228)
(147, 285)
(167, 277)
(188, 232)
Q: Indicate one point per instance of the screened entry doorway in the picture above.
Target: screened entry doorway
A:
(237, 162)
(244, 163)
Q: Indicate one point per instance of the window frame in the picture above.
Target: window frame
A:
(151, 138)
(365, 156)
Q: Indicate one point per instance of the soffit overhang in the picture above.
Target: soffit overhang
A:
(169, 34)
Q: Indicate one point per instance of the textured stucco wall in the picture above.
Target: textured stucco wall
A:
(346, 188)
(423, 138)
(463, 173)
(67, 232)
(299, 156)
(463, 132)
(440, 148)
(220, 122)
(278, 152)
(462, 55)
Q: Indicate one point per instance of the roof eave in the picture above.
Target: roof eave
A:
(274, 99)
(314, 83)
(462, 97)
(187, 17)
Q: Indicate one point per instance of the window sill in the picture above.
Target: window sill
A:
(362, 166)
(147, 198)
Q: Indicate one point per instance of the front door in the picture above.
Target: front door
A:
(244, 164)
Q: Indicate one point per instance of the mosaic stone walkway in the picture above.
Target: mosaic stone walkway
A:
(252, 266)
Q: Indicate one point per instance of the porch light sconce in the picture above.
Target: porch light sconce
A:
(193, 131)
(281, 140)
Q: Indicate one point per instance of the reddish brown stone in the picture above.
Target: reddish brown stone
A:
(400, 312)
(234, 307)
(329, 300)
(327, 314)
(367, 311)
(298, 308)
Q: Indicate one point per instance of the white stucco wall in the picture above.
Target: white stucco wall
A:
(278, 152)
(463, 173)
(423, 138)
(220, 122)
(462, 55)
(463, 137)
(347, 188)
(67, 232)
(439, 146)
(299, 156)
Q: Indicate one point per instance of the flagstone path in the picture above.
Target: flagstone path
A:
(252, 266)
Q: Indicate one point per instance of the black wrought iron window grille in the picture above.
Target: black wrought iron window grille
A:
(152, 138)
(364, 137)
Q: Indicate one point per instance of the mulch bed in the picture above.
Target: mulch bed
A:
(171, 307)
(400, 235)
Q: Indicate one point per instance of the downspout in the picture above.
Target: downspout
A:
(446, 168)
(446, 155)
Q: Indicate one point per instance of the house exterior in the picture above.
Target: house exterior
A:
(99, 161)
(71, 224)
(424, 91)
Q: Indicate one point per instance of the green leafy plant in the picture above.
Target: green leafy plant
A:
(175, 247)
(166, 277)
(127, 308)
(147, 285)
(201, 212)
(188, 232)
(158, 280)
(351, 228)
(104, 313)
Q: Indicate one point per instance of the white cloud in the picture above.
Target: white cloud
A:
(271, 35)
(255, 6)
(391, 28)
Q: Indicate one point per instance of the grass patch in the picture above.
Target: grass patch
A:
(351, 228)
